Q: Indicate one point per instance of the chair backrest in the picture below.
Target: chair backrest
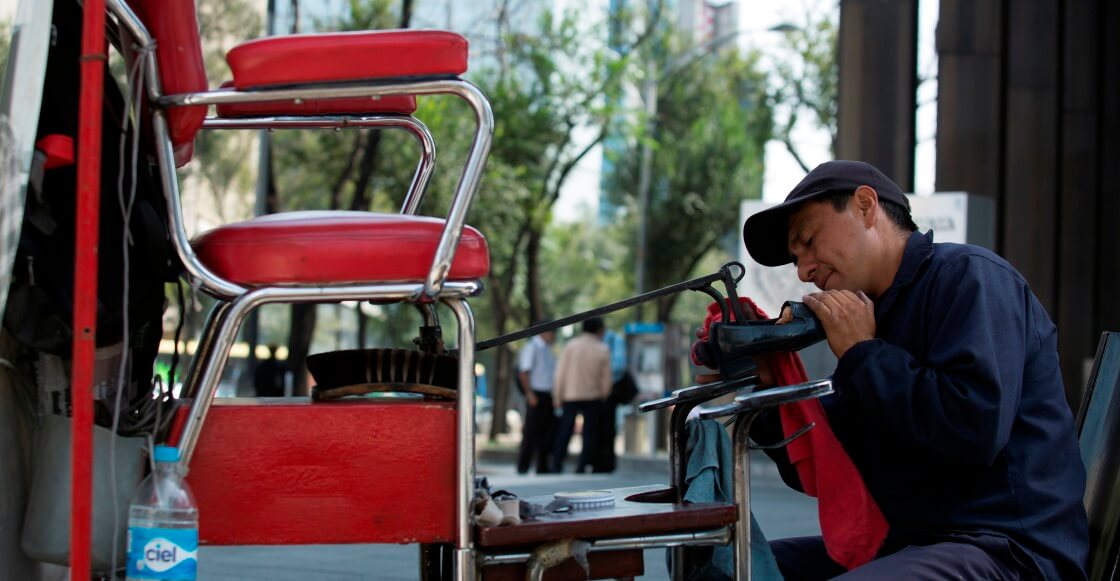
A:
(1098, 428)
(173, 25)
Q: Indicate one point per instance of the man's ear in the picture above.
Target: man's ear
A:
(867, 201)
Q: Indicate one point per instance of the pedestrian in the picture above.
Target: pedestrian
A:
(536, 366)
(271, 375)
(582, 385)
(948, 395)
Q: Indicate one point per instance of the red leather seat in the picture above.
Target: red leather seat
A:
(335, 247)
(346, 56)
(387, 105)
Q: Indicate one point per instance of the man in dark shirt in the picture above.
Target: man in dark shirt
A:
(949, 398)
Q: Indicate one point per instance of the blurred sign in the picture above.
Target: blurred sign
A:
(639, 328)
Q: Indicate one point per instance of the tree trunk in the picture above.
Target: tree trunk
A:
(363, 321)
(533, 276)
(360, 202)
(299, 343)
(501, 379)
(500, 382)
(406, 13)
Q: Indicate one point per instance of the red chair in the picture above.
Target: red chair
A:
(311, 472)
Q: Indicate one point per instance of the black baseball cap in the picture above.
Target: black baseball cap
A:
(766, 233)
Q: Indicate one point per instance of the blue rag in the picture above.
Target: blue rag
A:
(710, 477)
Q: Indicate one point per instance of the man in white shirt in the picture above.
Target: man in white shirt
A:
(536, 367)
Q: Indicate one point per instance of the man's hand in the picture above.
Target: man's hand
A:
(531, 398)
(847, 317)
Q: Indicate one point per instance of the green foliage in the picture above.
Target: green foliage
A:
(708, 137)
(5, 45)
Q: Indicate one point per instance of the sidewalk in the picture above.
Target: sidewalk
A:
(504, 452)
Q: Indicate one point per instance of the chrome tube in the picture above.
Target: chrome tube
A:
(424, 167)
(720, 536)
(215, 320)
(467, 187)
(209, 281)
(129, 20)
(465, 569)
(741, 449)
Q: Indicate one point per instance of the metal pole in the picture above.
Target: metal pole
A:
(741, 449)
(85, 284)
(649, 96)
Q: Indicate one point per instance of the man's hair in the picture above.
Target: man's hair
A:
(899, 215)
(593, 325)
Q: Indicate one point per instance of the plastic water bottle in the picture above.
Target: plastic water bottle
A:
(163, 524)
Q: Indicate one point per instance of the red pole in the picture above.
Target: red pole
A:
(85, 285)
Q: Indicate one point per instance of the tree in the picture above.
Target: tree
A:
(708, 138)
(550, 83)
(808, 77)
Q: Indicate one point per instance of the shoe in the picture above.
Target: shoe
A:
(734, 345)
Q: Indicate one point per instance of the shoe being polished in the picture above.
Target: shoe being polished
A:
(733, 346)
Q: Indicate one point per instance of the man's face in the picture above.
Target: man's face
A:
(830, 247)
(548, 336)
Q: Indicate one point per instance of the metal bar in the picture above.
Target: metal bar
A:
(677, 476)
(208, 281)
(434, 85)
(424, 167)
(311, 122)
(700, 393)
(769, 398)
(215, 320)
(85, 284)
(469, 179)
(464, 543)
(741, 449)
(720, 536)
(724, 273)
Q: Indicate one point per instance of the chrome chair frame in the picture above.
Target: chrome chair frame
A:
(238, 301)
(424, 166)
(745, 410)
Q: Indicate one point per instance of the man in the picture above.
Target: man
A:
(949, 398)
(536, 366)
(582, 385)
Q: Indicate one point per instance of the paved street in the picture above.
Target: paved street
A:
(780, 511)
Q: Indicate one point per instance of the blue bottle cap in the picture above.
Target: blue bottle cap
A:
(167, 454)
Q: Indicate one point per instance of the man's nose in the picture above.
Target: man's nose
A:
(806, 269)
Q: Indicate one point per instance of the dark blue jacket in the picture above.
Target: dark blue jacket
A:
(955, 413)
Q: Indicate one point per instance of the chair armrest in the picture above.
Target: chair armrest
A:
(700, 393)
(769, 398)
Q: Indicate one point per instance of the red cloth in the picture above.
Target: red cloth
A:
(852, 525)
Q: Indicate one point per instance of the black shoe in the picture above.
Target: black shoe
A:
(735, 345)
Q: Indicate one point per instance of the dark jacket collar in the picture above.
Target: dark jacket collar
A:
(919, 250)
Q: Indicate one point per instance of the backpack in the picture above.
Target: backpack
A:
(624, 390)
(40, 301)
